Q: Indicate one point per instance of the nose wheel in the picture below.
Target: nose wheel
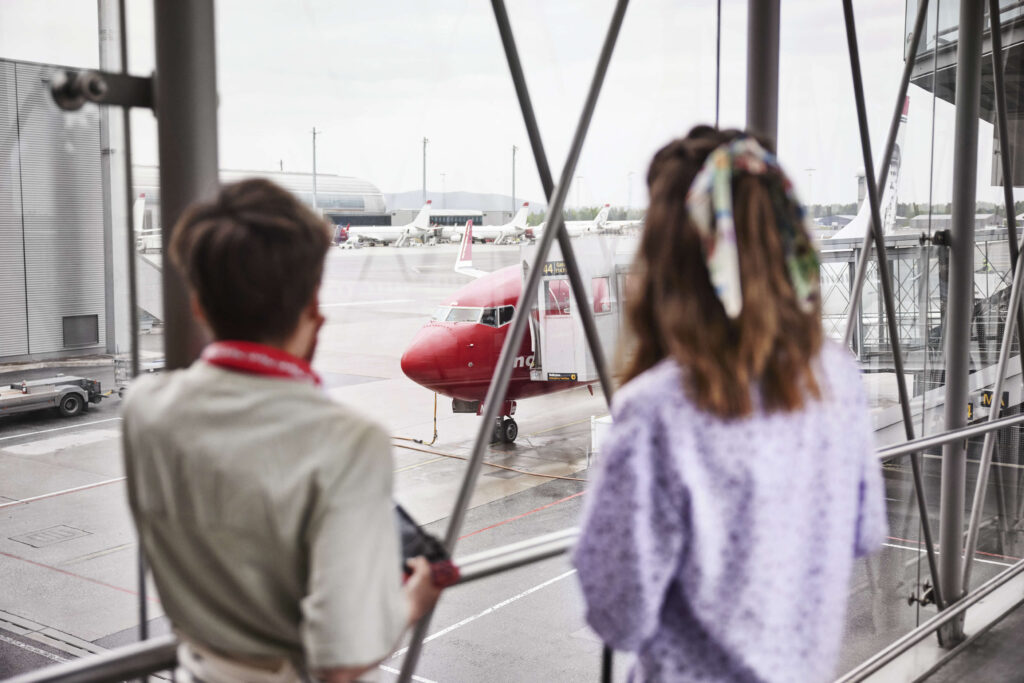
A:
(505, 430)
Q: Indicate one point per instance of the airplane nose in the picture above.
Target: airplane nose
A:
(433, 349)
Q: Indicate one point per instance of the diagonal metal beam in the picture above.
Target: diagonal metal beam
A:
(503, 370)
(548, 184)
(883, 263)
(985, 464)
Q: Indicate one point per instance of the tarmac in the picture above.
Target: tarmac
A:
(68, 554)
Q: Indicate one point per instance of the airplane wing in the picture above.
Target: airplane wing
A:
(464, 261)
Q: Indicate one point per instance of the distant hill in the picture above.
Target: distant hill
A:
(458, 200)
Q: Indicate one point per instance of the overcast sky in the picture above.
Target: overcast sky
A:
(376, 77)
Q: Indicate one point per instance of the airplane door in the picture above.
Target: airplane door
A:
(557, 329)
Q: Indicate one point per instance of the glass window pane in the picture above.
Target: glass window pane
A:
(602, 296)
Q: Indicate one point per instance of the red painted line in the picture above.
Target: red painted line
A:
(976, 552)
(525, 514)
(76, 576)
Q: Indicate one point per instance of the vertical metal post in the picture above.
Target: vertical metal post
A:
(885, 276)
(316, 204)
(514, 207)
(556, 227)
(961, 300)
(718, 57)
(1010, 475)
(763, 68)
(1013, 307)
(186, 105)
(425, 141)
(130, 256)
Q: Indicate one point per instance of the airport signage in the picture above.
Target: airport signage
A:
(986, 399)
(561, 376)
(555, 268)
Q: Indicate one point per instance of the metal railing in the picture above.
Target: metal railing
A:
(957, 610)
(159, 654)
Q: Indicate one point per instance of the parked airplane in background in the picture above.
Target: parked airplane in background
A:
(577, 228)
(861, 223)
(387, 234)
(456, 352)
(500, 234)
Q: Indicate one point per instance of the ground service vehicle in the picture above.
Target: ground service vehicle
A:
(70, 395)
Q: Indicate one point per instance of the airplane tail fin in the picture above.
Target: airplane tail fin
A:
(422, 220)
(602, 215)
(464, 261)
(139, 213)
(887, 202)
(519, 220)
(465, 258)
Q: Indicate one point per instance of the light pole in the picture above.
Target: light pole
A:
(629, 191)
(444, 193)
(579, 181)
(315, 133)
(425, 141)
(810, 184)
(514, 150)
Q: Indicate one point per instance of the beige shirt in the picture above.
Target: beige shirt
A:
(264, 510)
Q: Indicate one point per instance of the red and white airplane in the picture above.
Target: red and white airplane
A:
(455, 354)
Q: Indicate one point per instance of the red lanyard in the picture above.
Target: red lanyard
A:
(257, 359)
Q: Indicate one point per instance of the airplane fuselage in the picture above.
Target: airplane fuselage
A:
(456, 353)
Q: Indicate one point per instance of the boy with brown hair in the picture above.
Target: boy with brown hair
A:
(263, 507)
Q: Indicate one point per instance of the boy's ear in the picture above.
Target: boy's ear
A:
(197, 308)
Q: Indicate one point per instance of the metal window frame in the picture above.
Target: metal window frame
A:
(187, 130)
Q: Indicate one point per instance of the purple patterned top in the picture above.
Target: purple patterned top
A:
(721, 550)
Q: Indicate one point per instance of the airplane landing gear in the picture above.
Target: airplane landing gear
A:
(505, 430)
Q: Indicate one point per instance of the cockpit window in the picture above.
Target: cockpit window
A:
(464, 315)
(505, 314)
(441, 313)
(489, 318)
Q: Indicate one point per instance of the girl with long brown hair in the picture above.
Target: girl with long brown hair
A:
(738, 483)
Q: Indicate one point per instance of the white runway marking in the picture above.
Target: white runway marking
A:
(397, 672)
(367, 303)
(29, 648)
(57, 429)
(489, 610)
(61, 493)
(921, 550)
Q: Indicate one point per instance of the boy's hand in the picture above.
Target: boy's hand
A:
(420, 590)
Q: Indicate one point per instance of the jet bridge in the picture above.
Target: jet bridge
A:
(558, 340)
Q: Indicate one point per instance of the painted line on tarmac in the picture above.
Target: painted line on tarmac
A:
(567, 424)
(396, 672)
(57, 429)
(84, 487)
(922, 550)
(418, 464)
(525, 514)
(490, 610)
(29, 648)
(976, 552)
(367, 303)
(76, 576)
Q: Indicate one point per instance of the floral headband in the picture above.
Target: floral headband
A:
(709, 202)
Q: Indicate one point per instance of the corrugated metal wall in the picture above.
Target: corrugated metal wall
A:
(13, 316)
(58, 156)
